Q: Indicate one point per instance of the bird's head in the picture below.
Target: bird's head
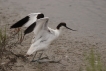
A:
(41, 15)
(63, 24)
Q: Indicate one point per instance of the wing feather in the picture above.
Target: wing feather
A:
(41, 24)
(32, 19)
(41, 28)
(21, 22)
(30, 28)
(26, 21)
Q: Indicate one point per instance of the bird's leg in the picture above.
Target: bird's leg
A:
(21, 39)
(40, 55)
(46, 57)
(16, 30)
(39, 58)
(34, 57)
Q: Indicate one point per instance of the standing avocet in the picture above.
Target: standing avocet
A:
(27, 21)
(44, 36)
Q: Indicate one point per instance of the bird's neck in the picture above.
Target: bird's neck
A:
(58, 26)
(57, 32)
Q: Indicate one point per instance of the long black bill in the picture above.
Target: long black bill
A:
(70, 28)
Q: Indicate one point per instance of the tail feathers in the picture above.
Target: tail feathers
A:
(31, 50)
(28, 53)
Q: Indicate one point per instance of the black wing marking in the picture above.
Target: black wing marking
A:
(30, 28)
(20, 23)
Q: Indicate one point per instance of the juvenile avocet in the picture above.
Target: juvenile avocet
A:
(44, 36)
(27, 21)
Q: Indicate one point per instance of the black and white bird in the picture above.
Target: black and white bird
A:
(27, 21)
(44, 35)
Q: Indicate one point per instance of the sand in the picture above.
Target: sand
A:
(88, 17)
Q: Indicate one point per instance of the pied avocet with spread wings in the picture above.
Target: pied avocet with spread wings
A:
(43, 36)
(27, 21)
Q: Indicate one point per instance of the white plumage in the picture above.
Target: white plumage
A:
(43, 36)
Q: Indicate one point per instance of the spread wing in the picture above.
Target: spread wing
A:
(21, 22)
(37, 26)
(32, 19)
(41, 28)
(30, 28)
(41, 24)
(26, 21)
